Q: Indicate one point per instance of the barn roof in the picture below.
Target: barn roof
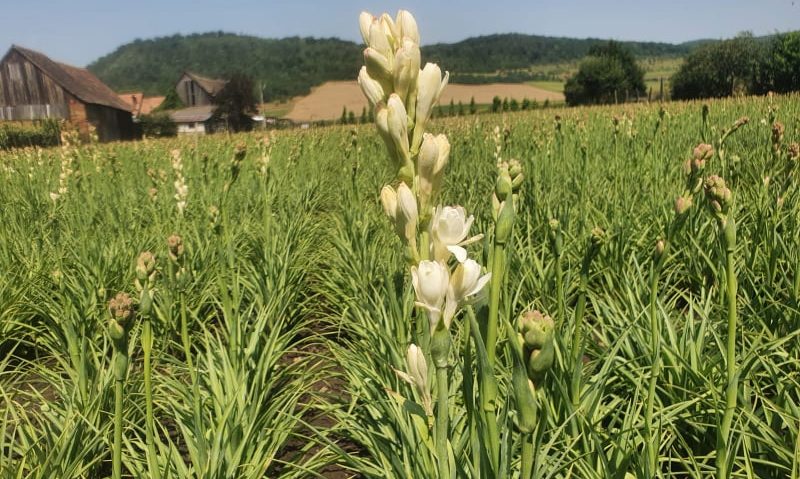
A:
(193, 114)
(80, 82)
(140, 104)
(210, 85)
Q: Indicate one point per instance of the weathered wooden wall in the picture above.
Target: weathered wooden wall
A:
(110, 124)
(185, 89)
(27, 94)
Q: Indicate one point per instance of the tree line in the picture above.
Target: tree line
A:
(291, 66)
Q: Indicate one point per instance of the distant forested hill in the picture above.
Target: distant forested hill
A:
(291, 66)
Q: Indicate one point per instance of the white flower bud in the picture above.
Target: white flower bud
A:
(433, 156)
(431, 280)
(390, 29)
(406, 69)
(389, 201)
(382, 122)
(401, 207)
(430, 86)
(364, 22)
(379, 39)
(372, 88)
(379, 66)
(407, 26)
(398, 126)
(417, 376)
(406, 202)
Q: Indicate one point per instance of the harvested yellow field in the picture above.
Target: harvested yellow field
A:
(326, 101)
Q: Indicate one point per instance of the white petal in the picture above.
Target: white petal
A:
(459, 252)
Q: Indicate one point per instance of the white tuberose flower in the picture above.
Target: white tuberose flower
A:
(401, 207)
(466, 286)
(433, 156)
(431, 280)
(417, 375)
(429, 87)
(449, 228)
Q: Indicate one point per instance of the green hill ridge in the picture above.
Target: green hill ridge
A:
(291, 66)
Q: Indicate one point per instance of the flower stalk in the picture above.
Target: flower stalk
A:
(145, 275)
(719, 200)
(122, 314)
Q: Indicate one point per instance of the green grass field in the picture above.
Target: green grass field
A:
(278, 326)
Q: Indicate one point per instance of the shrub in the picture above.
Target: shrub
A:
(158, 125)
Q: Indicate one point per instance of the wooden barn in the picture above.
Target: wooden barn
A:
(34, 87)
(195, 90)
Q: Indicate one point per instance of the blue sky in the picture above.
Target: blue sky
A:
(80, 31)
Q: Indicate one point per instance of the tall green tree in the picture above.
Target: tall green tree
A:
(718, 69)
(607, 75)
(236, 103)
(780, 71)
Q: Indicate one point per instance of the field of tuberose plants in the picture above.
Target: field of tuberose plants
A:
(603, 292)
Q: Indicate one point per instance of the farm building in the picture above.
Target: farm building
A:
(195, 90)
(140, 104)
(197, 93)
(34, 87)
(195, 119)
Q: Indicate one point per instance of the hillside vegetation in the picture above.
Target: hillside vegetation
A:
(291, 66)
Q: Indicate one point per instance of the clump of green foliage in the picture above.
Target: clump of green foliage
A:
(609, 74)
(17, 135)
(236, 103)
(742, 65)
(157, 125)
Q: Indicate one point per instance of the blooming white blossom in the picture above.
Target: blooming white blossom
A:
(431, 280)
(465, 287)
(449, 230)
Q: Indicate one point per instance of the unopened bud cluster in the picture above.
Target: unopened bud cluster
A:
(535, 331)
(718, 195)
(122, 313)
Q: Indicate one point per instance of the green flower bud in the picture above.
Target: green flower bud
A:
(682, 205)
(503, 187)
(121, 309)
(440, 346)
(536, 331)
(504, 223)
(145, 266)
(718, 194)
(115, 331)
(555, 236)
(794, 152)
(175, 246)
(659, 249)
(145, 302)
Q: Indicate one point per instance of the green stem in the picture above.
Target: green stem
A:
(526, 469)
(120, 370)
(117, 451)
(655, 347)
(147, 345)
(498, 271)
(560, 288)
(489, 394)
(577, 337)
(442, 420)
(723, 435)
